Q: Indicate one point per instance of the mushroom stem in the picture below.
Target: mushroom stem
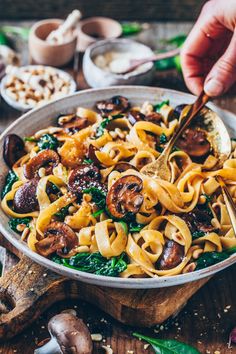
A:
(51, 347)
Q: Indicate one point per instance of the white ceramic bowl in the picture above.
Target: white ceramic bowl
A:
(97, 77)
(44, 116)
(26, 107)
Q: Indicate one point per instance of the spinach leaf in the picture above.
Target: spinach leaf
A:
(48, 141)
(11, 178)
(3, 38)
(17, 221)
(62, 213)
(98, 196)
(88, 161)
(158, 106)
(163, 138)
(95, 263)
(97, 213)
(208, 197)
(101, 127)
(208, 259)
(197, 234)
(135, 227)
(168, 346)
(131, 28)
(177, 40)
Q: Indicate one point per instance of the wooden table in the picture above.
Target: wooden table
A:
(209, 316)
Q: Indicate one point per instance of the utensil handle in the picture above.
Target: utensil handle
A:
(194, 109)
(230, 205)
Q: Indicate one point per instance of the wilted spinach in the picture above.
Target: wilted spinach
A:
(11, 178)
(208, 259)
(62, 213)
(14, 222)
(157, 107)
(98, 196)
(48, 141)
(95, 263)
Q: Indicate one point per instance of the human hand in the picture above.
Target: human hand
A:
(208, 56)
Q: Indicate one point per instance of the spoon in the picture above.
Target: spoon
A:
(160, 168)
(133, 64)
(229, 203)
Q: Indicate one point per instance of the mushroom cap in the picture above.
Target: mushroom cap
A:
(71, 333)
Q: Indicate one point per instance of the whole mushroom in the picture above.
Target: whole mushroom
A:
(69, 335)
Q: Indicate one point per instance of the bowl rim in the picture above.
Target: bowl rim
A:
(43, 43)
(92, 46)
(98, 19)
(115, 282)
(24, 107)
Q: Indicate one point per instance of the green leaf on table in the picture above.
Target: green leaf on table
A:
(3, 38)
(20, 31)
(177, 40)
(131, 28)
(168, 346)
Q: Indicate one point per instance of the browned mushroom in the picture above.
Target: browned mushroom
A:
(115, 105)
(194, 142)
(83, 177)
(13, 149)
(59, 238)
(91, 154)
(45, 158)
(69, 335)
(124, 166)
(25, 199)
(171, 256)
(198, 220)
(135, 116)
(153, 117)
(72, 123)
(124, 196)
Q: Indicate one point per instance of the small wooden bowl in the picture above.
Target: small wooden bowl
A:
(47, 53)
(97, 28)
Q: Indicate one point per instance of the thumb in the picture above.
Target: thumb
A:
(223, 74)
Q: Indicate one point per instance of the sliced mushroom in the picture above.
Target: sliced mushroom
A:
(198, 220)
(135, 116)
(25, 199)
(115, 105)
(91, 154)
(178, 110)
(83, 177)
(72, 123)
(124, 166)
(13, 149)
(194, 142)
(69, 335)
(45, 158)
(171, 256)
(59, 238)
(153, 117)
(124, 196)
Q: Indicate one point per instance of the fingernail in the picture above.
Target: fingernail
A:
(213, 87)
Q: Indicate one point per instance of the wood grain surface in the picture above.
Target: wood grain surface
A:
(148, 10)
(207, 319)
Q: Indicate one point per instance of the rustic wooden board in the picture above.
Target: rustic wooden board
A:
(148, 10)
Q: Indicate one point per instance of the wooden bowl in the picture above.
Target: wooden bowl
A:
(42, 117)
(47, 53)
(97, 28)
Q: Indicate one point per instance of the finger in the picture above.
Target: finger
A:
(197, 47)
(223, 74)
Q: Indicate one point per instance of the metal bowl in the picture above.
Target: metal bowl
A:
(44, 116)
